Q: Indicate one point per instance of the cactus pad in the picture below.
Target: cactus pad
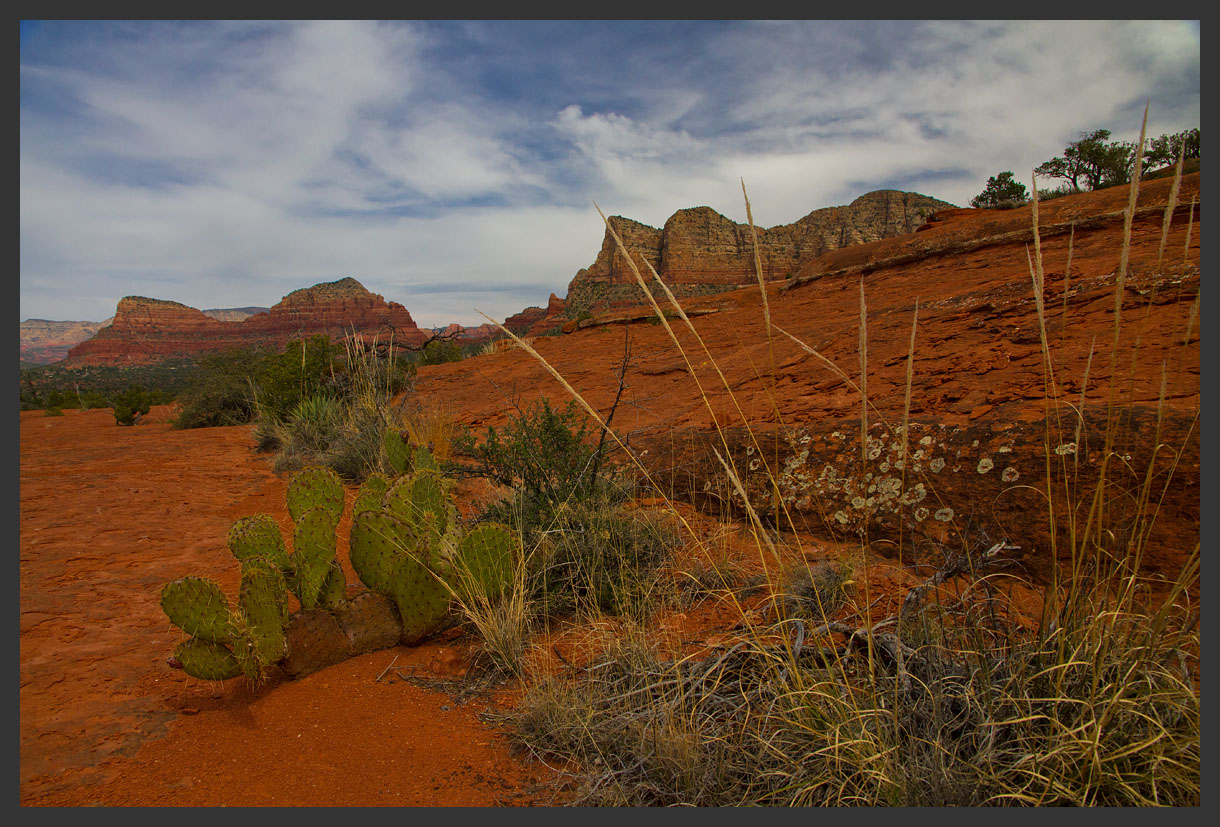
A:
(485, 562)
(334, 587)
(258, 536)
(423, 601)
(313, 553)
(371, 493)
(198, 607)
(207, 660)
(378, 539)
(423, 460)
(397, 451)
(264, 603)
(315, 487)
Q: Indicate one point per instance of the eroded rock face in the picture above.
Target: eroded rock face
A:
(552, 320)
(700, 252)
(145, 331)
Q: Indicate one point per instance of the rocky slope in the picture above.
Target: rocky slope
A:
(701, 252)
(982, 405)
(147, 330)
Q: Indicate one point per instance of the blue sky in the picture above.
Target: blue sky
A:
(454, 165)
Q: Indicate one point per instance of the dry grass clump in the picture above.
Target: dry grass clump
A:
(1100, 711)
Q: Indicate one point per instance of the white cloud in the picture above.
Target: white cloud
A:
(228, 164)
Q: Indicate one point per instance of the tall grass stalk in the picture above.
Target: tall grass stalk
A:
(1171, 205)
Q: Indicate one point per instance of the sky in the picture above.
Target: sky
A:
(455, 165)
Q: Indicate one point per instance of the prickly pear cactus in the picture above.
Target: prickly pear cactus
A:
(389, 557)
(484, 564)
(207, 660)
(423, 600)
(371, 493)
(397, 451)
(198, 607)
(258, 536)
(313, 553)
(334, 587)
(315, 487)
(263, 601)
(377, 539)
(422, 460)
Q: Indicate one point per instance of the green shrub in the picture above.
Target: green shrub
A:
(281, 380)
(134, 403)
(221, 393)
(543, 452)
(54, 411)
(439, 351)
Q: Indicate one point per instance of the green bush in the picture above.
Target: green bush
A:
(545, 453)
(222, 392)
(439, 351)
(134, 403)
(303, 369)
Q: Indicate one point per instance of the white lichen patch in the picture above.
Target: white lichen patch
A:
(936, 465)
(926, 441)
(1009, 474)
(985, 465)
(974, 444)
(749, 450)
(921, 514)
(1005, 449)
(841, 517)
(1065, 448)
(944, 514)
(753, 465)
(857, 502)
(884, 467)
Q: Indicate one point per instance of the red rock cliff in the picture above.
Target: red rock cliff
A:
(700, 251)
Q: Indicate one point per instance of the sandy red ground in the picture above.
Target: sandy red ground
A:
(110, 514)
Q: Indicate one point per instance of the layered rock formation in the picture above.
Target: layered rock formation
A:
(700, 252)
(552, 318)
(147, 330)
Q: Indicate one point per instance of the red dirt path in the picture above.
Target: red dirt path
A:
(110, 514)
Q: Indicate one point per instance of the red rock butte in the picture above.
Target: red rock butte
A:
(146, 331)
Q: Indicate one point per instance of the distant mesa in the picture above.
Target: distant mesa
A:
(146, 330)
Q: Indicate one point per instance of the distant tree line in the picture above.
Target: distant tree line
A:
(1090, 163)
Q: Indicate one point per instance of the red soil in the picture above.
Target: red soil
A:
(110, 514)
